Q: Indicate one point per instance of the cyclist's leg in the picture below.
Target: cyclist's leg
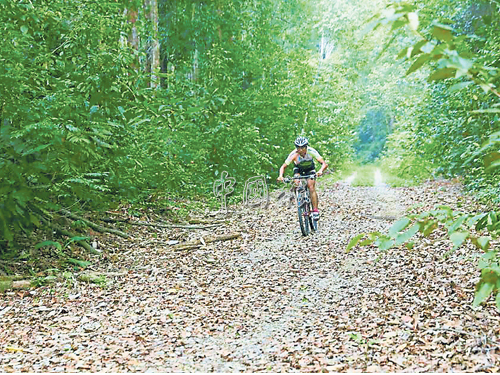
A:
(311, 184)
(296, 173)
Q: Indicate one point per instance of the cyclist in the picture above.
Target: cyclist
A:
(303, 157)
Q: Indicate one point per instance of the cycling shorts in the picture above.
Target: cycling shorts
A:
(305, 172)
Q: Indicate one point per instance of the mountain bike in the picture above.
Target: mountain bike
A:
(304, 206)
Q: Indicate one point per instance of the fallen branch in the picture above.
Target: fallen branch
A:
(94, 226)
(203, 221)
(382, 217)
(159, 225)
(109, 220)
(14, 284)
(202, 241)
(99, 277)
(12, 278)
(82, 243)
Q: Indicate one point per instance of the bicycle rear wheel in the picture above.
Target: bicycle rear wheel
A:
(303, 215)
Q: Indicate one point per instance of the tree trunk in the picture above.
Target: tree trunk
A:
(153, 47)
(166, 14)
(132, 14)
(133, 37)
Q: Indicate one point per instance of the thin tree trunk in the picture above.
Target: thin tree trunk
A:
(133, 37)
(153, 48)
(166, 13)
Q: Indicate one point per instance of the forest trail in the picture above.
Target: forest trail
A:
(271, 300)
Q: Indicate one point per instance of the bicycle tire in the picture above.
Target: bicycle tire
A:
(303, 220)
(313, 224)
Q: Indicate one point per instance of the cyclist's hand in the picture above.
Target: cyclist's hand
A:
(319, 173)
(280, 179)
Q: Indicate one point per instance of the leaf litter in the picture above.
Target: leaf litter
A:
(268, 301)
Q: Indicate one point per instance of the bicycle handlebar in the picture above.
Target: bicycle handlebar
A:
(288, 179)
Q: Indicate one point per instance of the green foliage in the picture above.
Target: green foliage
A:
(57, 245)
(460, 58)
(379, 172)
(62, 80)
(372, 134)
(479, 229)
(80, 122)
(249, 93)
(79, 263)
(458, 123)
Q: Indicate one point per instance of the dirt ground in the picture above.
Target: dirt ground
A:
(268, 301)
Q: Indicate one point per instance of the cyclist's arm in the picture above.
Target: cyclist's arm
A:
(282, 171)
(320, 159)
(289, 159)
(323, 166)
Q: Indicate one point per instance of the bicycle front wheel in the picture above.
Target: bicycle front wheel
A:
(313, 224)
(303, 216)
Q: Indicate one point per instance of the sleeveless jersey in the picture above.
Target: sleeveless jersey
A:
(306, 162)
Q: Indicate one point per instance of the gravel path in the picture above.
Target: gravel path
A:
(269, 301)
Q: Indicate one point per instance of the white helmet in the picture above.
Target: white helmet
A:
(301, 142)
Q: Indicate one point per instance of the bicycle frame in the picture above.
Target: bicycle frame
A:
(305, 198)
(304, 205)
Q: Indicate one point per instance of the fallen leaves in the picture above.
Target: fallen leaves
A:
(268, 300)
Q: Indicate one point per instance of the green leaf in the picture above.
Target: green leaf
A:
(385, 243)
(76, 239)
(442, 32)
(424, 215)
(417, 48)
(404, 237)
(404, 53)
(37, 149)
(498, 300)
(474, 219)
(458, 238)
(421, 60)
(79, 263)
(489, 255)
(398, 226)
(24, 29)
(482, 243)
(429, 227)
(483, 291)
(366, 242)
(442, 74)
(354, 242)
(491, 159)
(492, 218)
(57, 245)
(34, 220)
(456, 224)
(493, 166)
(398, 23)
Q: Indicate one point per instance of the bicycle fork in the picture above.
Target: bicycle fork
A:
(303, 201)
